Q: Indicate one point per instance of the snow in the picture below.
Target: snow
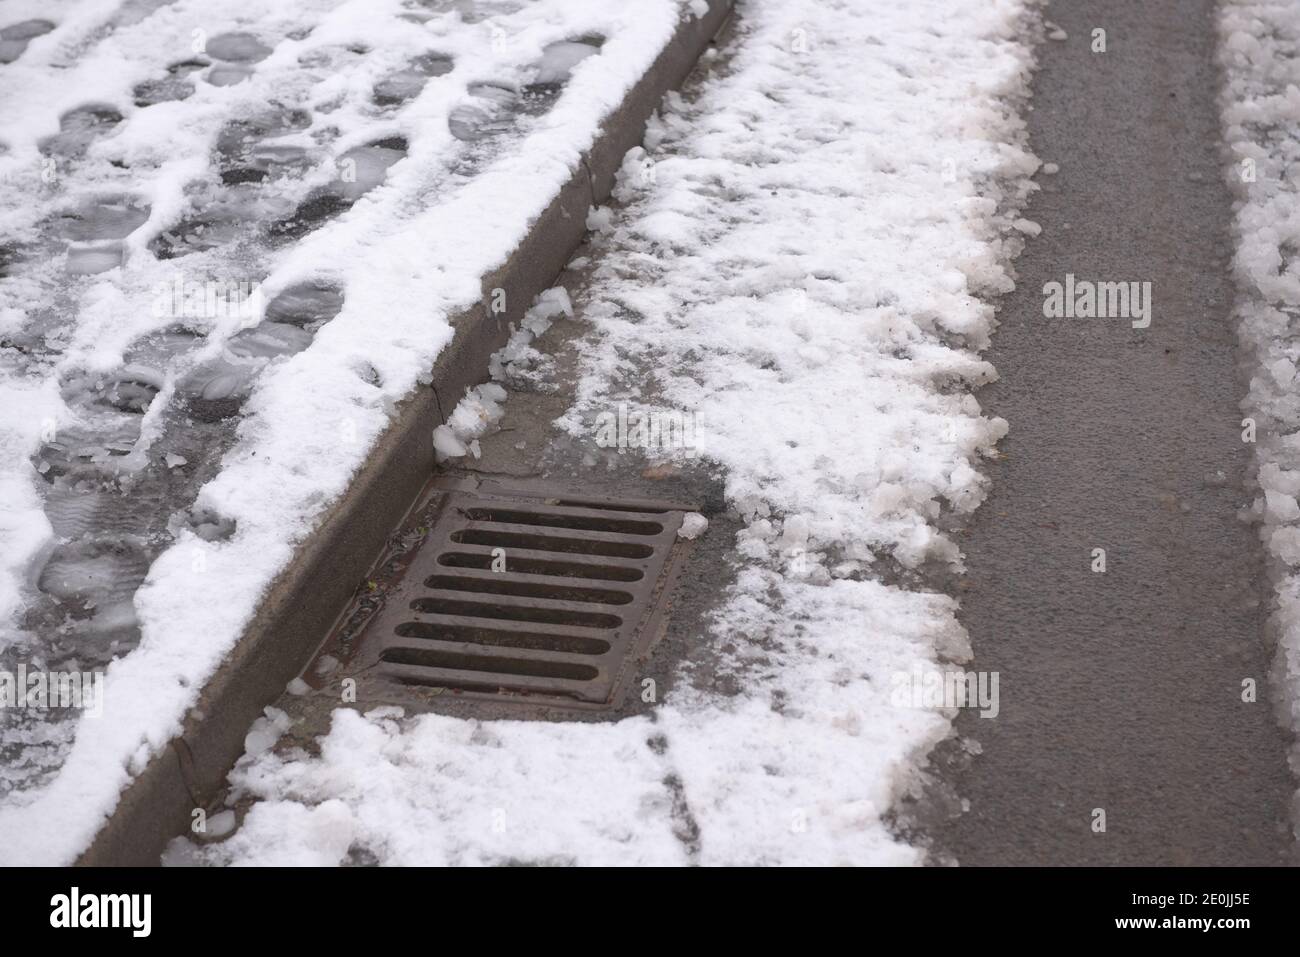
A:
(804, 272)
(1260, 55)
(693, 525)
(473, 416)
(378, 199)
(297, 687)
(221, 824)
(460, 792)
(518, 361)
(265, 731)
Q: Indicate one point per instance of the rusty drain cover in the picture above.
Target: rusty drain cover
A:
(517, 592)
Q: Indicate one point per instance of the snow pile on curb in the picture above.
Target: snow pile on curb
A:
(804, 258)
(1260, 55)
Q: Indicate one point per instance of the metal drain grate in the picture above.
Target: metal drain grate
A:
(539, 596)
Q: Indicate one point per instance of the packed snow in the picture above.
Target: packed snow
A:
(805, 253)
(1260, 55)
(230, 241)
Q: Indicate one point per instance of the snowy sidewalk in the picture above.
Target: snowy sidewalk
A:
(232, 240)
(804, 258)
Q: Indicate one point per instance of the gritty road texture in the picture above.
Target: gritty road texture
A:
(1120, 690)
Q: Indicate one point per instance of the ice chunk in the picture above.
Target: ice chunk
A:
(269, 339)
(794, 533)
(214, 225)
(174, 86)
(1280, 507)
(210, 526)
(158, 348)
(26, 30)
(228, 74)
(79, 127)
(363, 168)
(406, 84)
(600, 219)
(224, 385)
(81, 452)
(693, 524)
(133, 388)
(186, 67)
(85, 259)
(94, 573)
(14, 38)
(248, 152)
(266, 731)
(165, 90)
(446, 445)
(320, 206)
(237, 138)
(306, 303)
(217, 389)
(237, 48)
(559, 59)
(1283, 371)
(221, 823)
(487, 114)
(360, 170)
(270, 159)
(112, 218)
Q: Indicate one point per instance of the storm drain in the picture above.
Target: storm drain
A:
(511, 594)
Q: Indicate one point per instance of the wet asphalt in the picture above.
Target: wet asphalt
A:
(1120, 690)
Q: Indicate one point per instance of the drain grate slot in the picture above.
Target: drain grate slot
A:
(527, 589)
(614, 506)
(540, 668)
(598, 523)
(537, 641)
(552, 616)
(547, 543)
(541, 566)
(522, 596)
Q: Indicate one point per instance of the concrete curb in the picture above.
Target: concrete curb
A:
(301, 606)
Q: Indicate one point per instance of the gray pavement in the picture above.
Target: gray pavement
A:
(1120, 690)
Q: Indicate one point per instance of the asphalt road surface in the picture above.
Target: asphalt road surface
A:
(1121, 690)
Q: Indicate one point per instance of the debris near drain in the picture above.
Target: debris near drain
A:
(478, 412)
(693, 525)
